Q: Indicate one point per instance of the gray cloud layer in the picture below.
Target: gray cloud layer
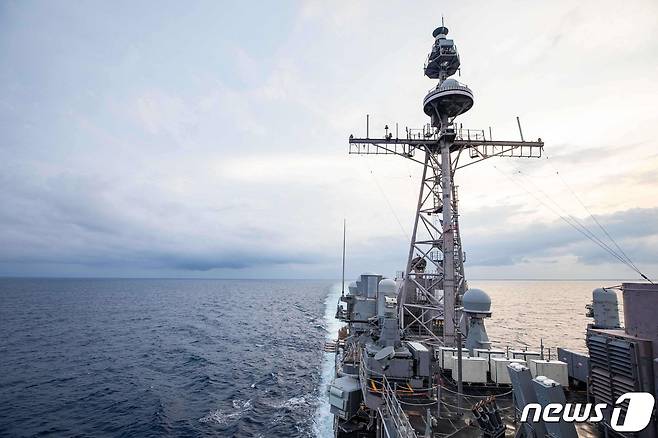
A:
(142, 139)
(632, 229)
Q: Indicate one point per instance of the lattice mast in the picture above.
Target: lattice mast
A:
(434, 277)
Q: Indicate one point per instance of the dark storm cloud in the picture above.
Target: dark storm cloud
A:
(230, 260)
(89, 221)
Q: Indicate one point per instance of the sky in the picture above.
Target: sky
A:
(209, 139)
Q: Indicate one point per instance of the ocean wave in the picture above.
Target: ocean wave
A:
(223, 418)
(293, 402)
(180, 371)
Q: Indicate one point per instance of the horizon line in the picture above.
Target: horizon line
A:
(40, 277)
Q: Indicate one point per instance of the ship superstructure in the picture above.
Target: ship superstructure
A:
(390, 358)
(414, 358)
(434, 278)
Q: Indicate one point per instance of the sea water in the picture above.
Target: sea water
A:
(243, 358)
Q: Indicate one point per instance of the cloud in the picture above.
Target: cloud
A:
(635, 230)
(90, 220)
(185, 140)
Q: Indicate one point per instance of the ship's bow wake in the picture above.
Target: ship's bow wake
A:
(323, 419)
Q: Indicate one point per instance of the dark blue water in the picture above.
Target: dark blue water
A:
(160, 357)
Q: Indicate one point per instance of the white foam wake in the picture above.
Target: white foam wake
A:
(222, 417)
(324, 421)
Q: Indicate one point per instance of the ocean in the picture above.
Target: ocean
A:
(227, 358)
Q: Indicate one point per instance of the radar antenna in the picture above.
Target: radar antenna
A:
(434, 281)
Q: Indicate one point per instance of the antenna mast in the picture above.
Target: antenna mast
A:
(342, 285)
(434, 281)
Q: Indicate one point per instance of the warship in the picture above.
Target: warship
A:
(413, 358)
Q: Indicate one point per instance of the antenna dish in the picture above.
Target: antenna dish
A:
(441, 30)
(385, 353)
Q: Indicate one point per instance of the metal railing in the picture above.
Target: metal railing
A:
(430, 133)
(394, 411)
(470, 134)
(450, 86)
(391, 408)
(363, 379)
(375, 149)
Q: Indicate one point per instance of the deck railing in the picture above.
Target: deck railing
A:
(393, 410)
(390, 409)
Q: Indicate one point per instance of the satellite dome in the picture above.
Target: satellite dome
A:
(604, 295)
(476, 301)
(388, 287)
(450, 98)
(449, 83)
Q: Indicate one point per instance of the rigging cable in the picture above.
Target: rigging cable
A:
(596, 220)
(575, 223)
(390, 207)
(580, 227)
(583, 228)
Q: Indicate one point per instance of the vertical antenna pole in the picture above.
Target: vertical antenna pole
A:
(490, 136)
(368, 125)
(343, 282)
(518, 122)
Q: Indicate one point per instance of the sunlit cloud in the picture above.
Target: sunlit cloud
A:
(185, 141)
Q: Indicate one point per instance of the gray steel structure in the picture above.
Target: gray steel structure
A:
(392, 377)
(434, 278)
(388, 381)
(621, 359)
(625, 359)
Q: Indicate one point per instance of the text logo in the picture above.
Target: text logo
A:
(638, 413)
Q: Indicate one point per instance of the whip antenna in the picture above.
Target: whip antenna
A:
(342, 293)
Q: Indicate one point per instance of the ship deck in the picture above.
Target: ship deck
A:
(455, 421)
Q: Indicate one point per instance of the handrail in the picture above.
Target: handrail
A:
(391, 404)
(400, 420)
(457, 86)
(362, 375)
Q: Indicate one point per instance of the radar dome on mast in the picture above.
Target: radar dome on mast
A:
(477, 301)
(477, 306)
(450, 98)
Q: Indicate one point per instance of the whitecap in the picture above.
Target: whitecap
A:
(223, 418)
(241, 404)
(292, 403)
